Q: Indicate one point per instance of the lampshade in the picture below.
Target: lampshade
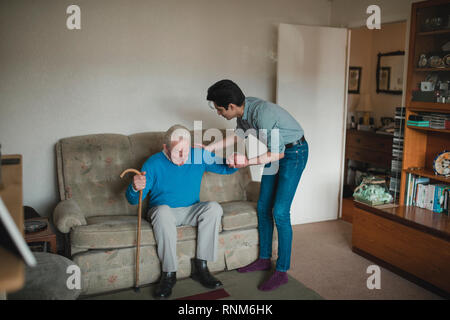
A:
(365, 103)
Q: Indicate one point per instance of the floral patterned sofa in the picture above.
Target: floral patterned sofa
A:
(102, 224)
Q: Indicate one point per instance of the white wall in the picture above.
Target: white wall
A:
(135, 66)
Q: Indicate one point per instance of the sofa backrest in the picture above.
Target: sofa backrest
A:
(89, 167)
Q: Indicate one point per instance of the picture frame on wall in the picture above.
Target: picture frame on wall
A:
(354, 80)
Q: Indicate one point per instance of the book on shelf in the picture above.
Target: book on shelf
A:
(438, 198)
(424, 124)
(433, 119)
(408, 188)
(397, 153)
(429, 199)
(420, 192)
(396, 165)
(420, 196)
(446, 200)
(418, 181)
(398, 142)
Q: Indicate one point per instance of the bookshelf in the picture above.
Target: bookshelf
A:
(423, 144)
(414, 241)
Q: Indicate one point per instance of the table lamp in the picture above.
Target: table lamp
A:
(365, 106)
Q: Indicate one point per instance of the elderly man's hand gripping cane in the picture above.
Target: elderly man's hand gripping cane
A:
(138, 184)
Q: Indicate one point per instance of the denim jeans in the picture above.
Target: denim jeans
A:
(275, 199)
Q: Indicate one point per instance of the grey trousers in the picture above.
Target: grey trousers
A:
(164, 219)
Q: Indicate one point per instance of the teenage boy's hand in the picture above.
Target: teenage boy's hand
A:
(201, 146)
(237, 160)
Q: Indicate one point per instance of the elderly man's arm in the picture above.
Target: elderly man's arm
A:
(132, 194)
(216, 164)
(223, 144)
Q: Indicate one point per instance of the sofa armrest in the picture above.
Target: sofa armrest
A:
(252, 191)
(67, 214)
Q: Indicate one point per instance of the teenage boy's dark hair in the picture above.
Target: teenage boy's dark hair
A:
(225, 92)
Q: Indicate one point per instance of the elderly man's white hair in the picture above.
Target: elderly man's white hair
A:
(175, 133)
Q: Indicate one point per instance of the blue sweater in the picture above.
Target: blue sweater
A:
(176, 186)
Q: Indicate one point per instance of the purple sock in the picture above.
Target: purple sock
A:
(277, 279)
(260, 264)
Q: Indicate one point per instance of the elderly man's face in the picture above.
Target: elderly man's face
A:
(179, 151)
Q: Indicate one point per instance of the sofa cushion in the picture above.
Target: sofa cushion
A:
(239, 215)
(106, 232)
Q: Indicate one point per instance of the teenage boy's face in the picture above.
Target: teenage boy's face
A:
(227, 114)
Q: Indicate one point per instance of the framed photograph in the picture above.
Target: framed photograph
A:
(354, 80)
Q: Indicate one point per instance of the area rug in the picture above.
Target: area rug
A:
(236, 286)
(209, 295)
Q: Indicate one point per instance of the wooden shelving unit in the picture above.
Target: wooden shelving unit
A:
(414, 240)
(422, 145)
(427, 173)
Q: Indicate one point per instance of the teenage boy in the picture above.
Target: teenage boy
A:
(286, 145)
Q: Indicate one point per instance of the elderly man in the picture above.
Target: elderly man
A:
(172, 180)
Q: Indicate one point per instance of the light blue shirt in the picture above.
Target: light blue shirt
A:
(260, 114)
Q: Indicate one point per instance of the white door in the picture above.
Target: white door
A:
(311, 85)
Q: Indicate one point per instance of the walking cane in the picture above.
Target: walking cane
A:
(138, 244)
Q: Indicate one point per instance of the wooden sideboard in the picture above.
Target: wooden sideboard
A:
(369, 147)
(407, 240)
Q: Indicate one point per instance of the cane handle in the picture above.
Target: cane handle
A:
(130, 170)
